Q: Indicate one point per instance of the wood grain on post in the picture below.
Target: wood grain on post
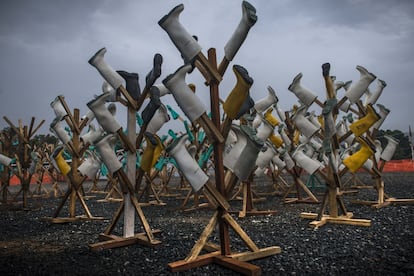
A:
(218, 153)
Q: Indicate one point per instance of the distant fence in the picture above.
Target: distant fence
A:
(14, 180)
(405, 165)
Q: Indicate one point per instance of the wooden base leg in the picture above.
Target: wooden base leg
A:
(236, 261)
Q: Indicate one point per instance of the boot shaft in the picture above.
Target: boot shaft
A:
(373, 98)
(248, 19)
(4, 160)
(358, 88)
(58, 108)
(186, 44)
(92, 135)
(390, 148)
(305, 162)
(106, 150)
(304, 95)
(356, 160)
(266, 102)
(158, 120)
(183, 95)
(237, 96)
(60, 162)
(106, 71)
(303, 124)
(103, 115)
(187, 164)
(57, 128)
(241, 158)
(151, 152)
(362, 125)
(90, 166)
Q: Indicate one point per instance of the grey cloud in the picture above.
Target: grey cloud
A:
(46, 21)
(45, 46)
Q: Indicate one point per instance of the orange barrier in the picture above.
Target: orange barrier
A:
(405, 165)
(46, 180)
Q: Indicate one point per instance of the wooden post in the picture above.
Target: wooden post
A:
(74, 165)
(129, 211)
(218, 153)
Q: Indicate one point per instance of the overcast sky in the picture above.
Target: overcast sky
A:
(45, 47)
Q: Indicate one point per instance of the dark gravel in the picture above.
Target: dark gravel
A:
(32, 246)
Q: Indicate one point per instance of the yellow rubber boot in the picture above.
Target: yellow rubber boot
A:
(63, 166)
(276, 140)
(270, 118)
(237, 96)
(362, 125)
(356, 160)
(151, 152)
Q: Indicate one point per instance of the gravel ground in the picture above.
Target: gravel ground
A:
(32, 246)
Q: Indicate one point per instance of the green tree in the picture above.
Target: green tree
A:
(38, 140)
